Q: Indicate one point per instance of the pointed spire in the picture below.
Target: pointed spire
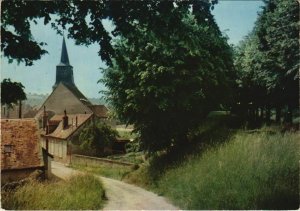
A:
(64, 53)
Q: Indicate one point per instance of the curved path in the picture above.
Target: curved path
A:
(121, 196)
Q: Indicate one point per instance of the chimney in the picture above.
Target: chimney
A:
(65, 120)
(45, 118)
(76, 121)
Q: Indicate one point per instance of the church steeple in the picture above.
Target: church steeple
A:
(64, 59)
(64, 71)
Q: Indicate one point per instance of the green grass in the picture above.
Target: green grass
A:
(79, 192)
(115, 171)
(131, 157)
(126, 134)
(257, 170)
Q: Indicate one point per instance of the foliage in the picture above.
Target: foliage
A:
(267, 60)
(165, 83)
(82, 21)
(257, 170)
(126, 134)
(133, 146)
(11, 92)
(84, 192)
(95, 137)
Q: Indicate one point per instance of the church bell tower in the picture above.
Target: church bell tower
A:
(64, 71)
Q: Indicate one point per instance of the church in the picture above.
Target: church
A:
(65, 94)
(66, 112)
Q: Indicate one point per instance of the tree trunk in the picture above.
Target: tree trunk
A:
(261, 112)
(278, 114)
(20, 109)
(256, 114)
(289, 115)
(268, 113)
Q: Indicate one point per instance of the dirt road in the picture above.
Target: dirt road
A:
(121, 196)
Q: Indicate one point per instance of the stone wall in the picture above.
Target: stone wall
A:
(94, 161)
(13, 175)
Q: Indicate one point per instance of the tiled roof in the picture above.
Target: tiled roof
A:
(99, 110)
(61, 133)
(20, 144)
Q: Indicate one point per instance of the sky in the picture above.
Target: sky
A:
(235, 19)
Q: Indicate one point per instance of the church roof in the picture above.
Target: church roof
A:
(78, 94)
(64, 59)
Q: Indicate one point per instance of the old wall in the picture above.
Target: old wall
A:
(94, 161)
(20, 147)
(16, 175)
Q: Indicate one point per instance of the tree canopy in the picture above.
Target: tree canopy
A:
(82, 20)
(268, 59)
(11, 92)
(165, 80)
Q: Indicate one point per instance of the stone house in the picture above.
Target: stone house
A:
(60, 131)
(21, 153)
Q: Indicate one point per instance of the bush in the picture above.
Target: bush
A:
(133, 146)
(94, 138)
(79, 192)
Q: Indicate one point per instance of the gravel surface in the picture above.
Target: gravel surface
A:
(121, 196)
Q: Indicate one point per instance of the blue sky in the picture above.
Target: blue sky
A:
(235, 18)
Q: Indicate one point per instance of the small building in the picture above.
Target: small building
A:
(21, 153)
(60, 131)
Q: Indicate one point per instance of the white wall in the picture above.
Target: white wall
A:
(57, 147)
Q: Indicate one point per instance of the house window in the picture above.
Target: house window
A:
(8, 148)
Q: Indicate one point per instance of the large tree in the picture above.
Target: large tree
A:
(268, 59)
(166, 79)
(278, 32)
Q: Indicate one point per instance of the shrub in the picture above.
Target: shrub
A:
(94, 138)
(133, 146)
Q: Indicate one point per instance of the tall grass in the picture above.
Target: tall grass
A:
(251, 171)
(78, 193)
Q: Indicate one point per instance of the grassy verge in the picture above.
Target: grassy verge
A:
(257, 170)
(79, 192)
(115, 172)
(131, 157)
